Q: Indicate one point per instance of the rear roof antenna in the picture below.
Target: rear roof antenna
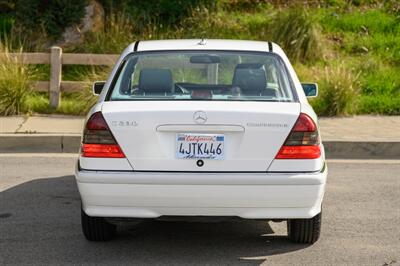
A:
(203, 41)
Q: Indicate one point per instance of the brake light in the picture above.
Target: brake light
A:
(304, 124)
(302, 142)
(98, 140)
(101, 150)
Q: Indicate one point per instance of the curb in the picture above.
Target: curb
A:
(70, 143)
(362, 149)
(39, 143)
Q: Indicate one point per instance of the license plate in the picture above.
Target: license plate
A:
(200, 146)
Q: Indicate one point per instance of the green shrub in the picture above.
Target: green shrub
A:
(71, 104)
(373, 20)
(161, 12)
(117, 34)
(86, 96)
(75, 103)
(386, 46)
(35, 17)
(39, 103)
(246, 5)
(339, 90)
(382, 80)
(393, 6)
(6, 23)
(201, 20)
(362, 39)
(374, 31)
(15, 85)
(379, 104)
(298, 33)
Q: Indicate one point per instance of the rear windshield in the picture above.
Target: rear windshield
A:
(203, 75)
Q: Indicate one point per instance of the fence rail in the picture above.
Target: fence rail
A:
(56, 58)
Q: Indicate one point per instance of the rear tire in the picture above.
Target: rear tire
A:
(305, 231)
(97, 228)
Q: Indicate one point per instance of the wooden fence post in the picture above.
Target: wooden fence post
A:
(55, 76)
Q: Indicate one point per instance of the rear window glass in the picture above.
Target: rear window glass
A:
(203, 75)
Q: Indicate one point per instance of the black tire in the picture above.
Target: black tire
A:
(305, 231)
(97, 228)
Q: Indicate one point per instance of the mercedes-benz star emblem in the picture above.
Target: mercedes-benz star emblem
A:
(200, 117)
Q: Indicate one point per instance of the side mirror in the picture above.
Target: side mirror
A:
(310, 89)
(98, 87)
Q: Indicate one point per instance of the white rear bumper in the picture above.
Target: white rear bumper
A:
(247, 195)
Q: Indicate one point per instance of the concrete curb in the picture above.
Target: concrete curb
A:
(362, 149)
(69, 143)
(39, 143)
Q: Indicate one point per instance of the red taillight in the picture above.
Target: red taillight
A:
(102, 151)
(98, 140)
(304, 124)
(97, 122)
(302, 142)
(299, 152)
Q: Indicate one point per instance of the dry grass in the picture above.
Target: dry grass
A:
(86, 97)
(339, 93)
(299, 35)
(15, 84)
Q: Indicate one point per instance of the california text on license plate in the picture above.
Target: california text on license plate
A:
(193, 146)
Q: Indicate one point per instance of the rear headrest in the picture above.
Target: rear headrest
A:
(250, 78)
(249, 66)
(155, 81)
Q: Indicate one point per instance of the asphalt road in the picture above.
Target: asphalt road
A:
(40, 223)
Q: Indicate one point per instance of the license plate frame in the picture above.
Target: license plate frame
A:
(200, 146)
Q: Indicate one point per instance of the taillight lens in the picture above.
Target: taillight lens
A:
(102, 151)
(98, 140)
(302, 142)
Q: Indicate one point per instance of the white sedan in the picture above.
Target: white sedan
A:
(202, 128)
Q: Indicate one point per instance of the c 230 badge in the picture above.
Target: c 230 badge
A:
(124, 123)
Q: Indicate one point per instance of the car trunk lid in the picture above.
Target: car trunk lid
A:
(148, 132)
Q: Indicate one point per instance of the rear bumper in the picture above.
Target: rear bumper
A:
(247, 195)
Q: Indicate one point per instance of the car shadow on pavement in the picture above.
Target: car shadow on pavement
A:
(40, 224)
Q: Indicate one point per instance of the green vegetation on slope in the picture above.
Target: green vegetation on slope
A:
(352, 48)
